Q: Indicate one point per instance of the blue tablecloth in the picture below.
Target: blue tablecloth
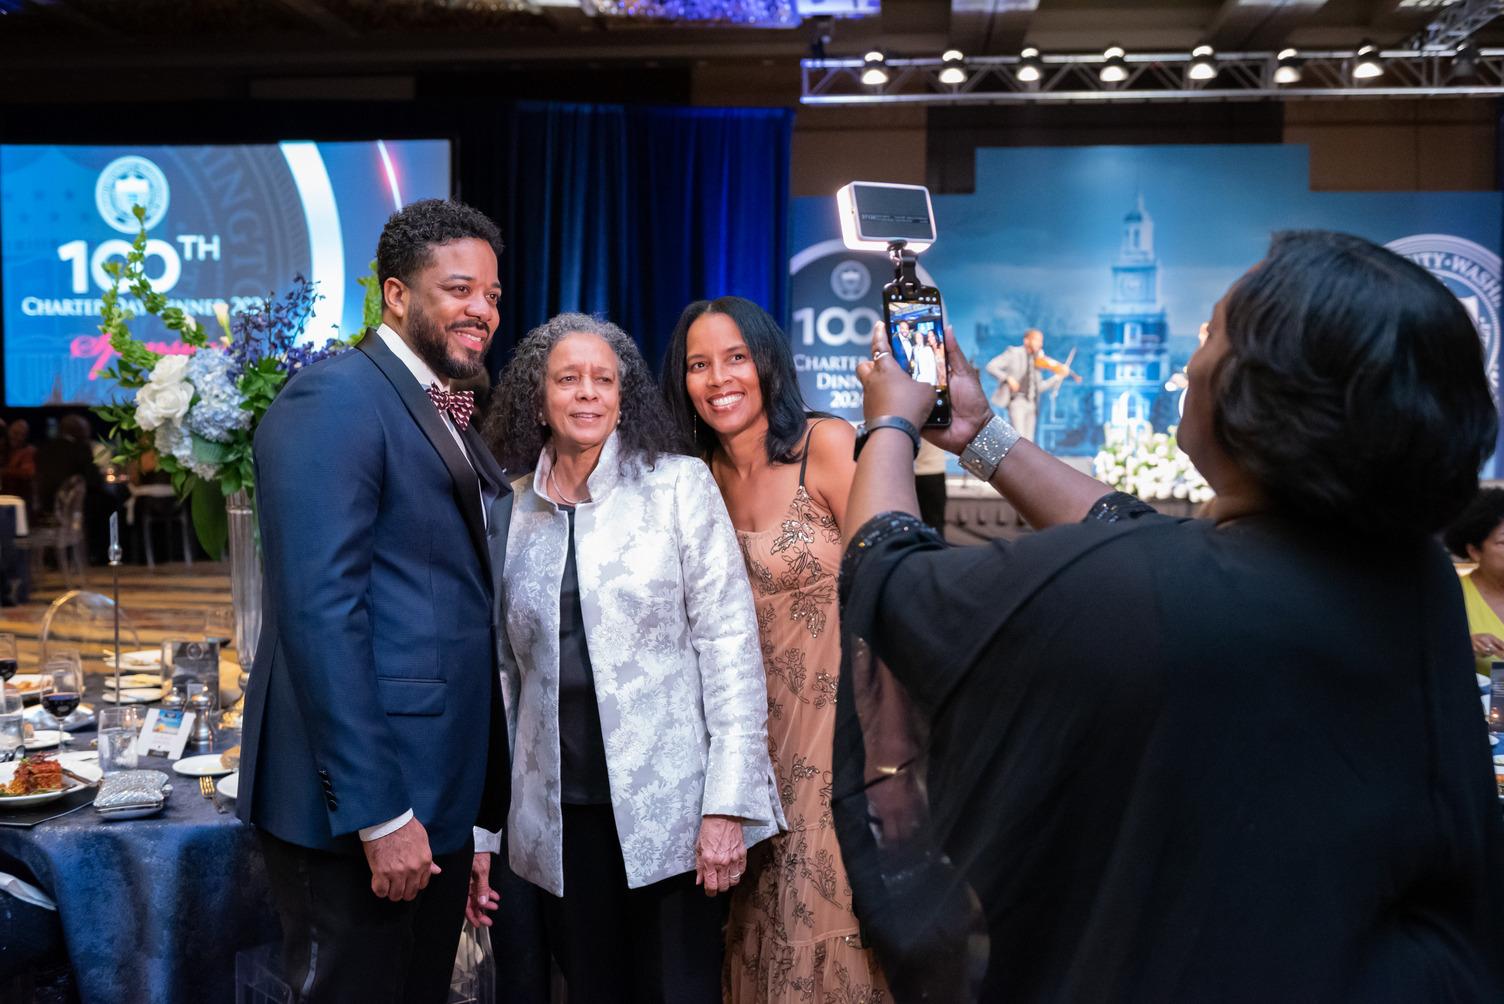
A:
(153, 910)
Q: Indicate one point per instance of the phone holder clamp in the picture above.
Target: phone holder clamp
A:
(904, 262)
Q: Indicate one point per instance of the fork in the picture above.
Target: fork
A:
(207, 789)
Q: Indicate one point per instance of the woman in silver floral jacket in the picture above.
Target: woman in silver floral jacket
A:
(635, 694)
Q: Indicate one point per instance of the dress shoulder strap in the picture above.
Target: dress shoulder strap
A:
(804, 459)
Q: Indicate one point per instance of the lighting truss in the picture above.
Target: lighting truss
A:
(1246, 76)
(1455, 24)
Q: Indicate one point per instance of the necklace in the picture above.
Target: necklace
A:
(559, 492)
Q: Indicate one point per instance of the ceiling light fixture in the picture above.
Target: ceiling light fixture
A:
(953, 68)
(1030, 66)
(875, 69)
(1465, 62)
(1367, 64)
(1114, 67)
(1288, 67)
(1203, 64)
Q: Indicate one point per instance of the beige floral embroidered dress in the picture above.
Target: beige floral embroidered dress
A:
(791, 936)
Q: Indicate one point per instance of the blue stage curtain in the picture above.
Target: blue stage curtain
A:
(633, 212)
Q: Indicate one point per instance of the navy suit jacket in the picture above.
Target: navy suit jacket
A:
(375, 687)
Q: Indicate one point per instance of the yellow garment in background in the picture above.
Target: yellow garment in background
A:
(1481, 619)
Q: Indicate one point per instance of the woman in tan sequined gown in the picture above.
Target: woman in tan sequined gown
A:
(791, 936)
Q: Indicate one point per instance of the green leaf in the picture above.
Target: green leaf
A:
(209, 451)
(207, 504)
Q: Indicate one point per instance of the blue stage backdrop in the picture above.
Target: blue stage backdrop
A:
(227, 223)
(632, 213)
(1117, 254)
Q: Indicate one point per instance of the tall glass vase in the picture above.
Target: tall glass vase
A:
(245, 589)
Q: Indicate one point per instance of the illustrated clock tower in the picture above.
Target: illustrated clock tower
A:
(1133, 357)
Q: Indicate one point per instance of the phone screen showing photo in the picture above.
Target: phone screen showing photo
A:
(916, 337)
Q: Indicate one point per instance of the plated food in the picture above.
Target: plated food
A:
(34, 775)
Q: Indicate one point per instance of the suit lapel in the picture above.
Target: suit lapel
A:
(415, 399)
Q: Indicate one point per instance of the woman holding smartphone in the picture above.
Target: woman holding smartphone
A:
(784, 473)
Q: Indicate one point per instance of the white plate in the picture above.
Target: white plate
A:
(206, 765)
(229, 785)
(141, 695)
(134, 680)
(8, 771)
(147, 658)
(28, 684)
(43, 739)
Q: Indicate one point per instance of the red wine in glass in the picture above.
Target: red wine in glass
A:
(8, 668)
(60, 703)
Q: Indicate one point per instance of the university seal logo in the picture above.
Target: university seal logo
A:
(1469, 270)
(850, 280)
(128, 182)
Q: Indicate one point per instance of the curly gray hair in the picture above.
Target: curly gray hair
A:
(511, 426)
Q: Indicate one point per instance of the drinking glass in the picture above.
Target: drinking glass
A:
(62, 689)
(118, 729)
(12, 725)
(219, 625)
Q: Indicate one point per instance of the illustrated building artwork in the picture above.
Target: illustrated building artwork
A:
(1132, 358)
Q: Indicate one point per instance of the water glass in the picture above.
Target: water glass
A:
(118, 730)
(12, 734)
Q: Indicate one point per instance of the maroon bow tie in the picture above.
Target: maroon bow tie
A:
(459, 405)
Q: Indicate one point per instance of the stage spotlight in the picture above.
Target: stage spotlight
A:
(1465, 62)
(1114, 68)
(953, 68)
(1288, 69)
(875, 69)
(1030, 67)
(1203, 65)
(1367, 64)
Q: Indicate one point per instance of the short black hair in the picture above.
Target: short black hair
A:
(776, 376)
(411, 233)
(1481, 518)
(1354, 390)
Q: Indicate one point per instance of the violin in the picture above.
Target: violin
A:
(1057, 367)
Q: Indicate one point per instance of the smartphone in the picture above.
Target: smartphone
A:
(916, 337)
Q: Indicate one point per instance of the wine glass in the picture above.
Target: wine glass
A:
(62, 689)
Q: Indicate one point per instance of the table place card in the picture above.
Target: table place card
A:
(165, 733)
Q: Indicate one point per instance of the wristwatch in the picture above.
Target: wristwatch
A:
(988, 447)
(885, 422)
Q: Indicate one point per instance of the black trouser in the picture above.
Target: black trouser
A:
(341, 943)
(661, 944)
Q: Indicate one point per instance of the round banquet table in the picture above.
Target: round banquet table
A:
(153, 910)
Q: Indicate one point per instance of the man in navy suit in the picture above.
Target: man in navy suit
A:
(374, 738)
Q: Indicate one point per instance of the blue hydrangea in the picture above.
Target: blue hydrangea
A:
(174, 440)
(218, 412)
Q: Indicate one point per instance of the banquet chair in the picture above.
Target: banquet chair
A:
(168, 512)
(63, 532)
(85, 622)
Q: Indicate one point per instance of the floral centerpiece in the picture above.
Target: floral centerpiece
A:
(196, 410)
(1151, 466)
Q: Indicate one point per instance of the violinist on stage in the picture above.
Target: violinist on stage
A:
(1019, 372)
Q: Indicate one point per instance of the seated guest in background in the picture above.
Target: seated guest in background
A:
(20, 471)
(637, 703)
(730, 383)
(71, 454)
(1478, 536)
(1135, 758)
(374, 735)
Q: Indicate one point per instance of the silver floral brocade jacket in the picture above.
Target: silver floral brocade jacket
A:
(672, 635)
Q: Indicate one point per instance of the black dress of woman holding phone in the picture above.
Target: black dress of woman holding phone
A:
(1134, 758)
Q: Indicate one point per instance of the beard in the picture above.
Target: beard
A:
(432, 345)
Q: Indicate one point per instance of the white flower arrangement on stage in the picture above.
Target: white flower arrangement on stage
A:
(1151, 466)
